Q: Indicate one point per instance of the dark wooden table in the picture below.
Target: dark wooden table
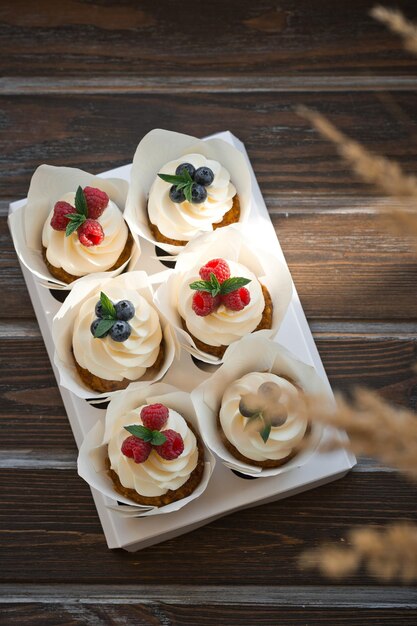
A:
(82, 82)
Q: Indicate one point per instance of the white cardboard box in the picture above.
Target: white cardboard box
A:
(226, 491)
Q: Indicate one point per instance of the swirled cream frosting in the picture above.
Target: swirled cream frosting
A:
(282, 439)
(156, 475)
(223, 326)
(181, 221)
(69, 253)
(114, 360)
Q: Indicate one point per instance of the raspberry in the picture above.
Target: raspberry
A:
(136, 449)
(218, 267)
(96, 200)
(236, 300)
(204, 303)
(154, 416)
(58, 220)
(90, 233)
(173, 446)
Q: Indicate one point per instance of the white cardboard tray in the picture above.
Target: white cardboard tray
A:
(226, 492)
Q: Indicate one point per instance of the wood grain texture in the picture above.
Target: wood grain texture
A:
(53, 521)
(287, 155)
(157, 614)
(156, 39)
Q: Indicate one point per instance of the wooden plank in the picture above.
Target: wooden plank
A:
(287, 155)
(205, 614)
(49, 516)
(154, 39)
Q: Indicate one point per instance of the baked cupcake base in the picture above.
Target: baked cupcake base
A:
(231, 217)
(265, 323)
(61, 274)
(101, 385)
(171, 495)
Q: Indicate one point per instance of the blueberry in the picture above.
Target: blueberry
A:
(176, 195)
(185, 166)
(204, 176)
(124, 310)
(99, 309)
(120, 331)
(93, 328)
(198, 194)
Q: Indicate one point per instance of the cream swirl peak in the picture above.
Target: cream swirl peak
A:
(181, 221)
(75, 258)
(224, 325)
(110, 359)
(282, 440)
(155, 476)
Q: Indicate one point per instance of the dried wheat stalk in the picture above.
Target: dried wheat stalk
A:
(389, 553)
(396, 22)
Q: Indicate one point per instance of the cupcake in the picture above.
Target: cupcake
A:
(108, 334)
(84, 233)
(181, 187)
(190, 197)
(254, 421)
(222, 289)
(155, 456)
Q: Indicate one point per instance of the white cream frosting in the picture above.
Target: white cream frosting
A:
(181, 221)
(69, 253)
(224, 326)
(282, 439)
(114, 360)
(155, 476)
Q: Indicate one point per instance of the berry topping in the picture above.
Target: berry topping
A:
(172, 447)
(124, 310)
(97, 201)
(265, 407)
(204, 303)
(218, 267)
(99, 332)
(120, 331)
(236, 300)
(90, 233)
(99, 309)
(198, 194)
(176, 194)
(204, 176)
(185, 166)
(154, 416)
(136, 449)
(58, 220)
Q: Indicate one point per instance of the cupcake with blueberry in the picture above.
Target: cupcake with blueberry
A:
(181, 187)
(222, 289)
(155, 456)
(108, 334)
(251, 410)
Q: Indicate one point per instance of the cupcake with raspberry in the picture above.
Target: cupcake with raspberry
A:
(108, 334)
(214, 301)
(251, 412)
(150, 453)
(73, 226)
(181, 187)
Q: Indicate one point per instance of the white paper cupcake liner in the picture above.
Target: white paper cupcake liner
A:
(63, 323)
(231, 243)
(255, 353)
(159, 147)
(47, 186)
(93, 452)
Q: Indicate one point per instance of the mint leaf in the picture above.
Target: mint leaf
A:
(215, 285)
(174, 179)
(140, 431)
(158, 438)
(201, 285)
(81, 202)
(265, 432)
(187, 192)
(102, 328)
(231, 284)
(109, 310)
(74, 224)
